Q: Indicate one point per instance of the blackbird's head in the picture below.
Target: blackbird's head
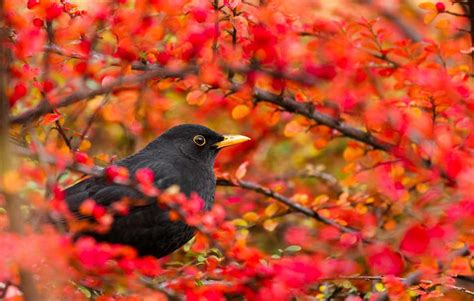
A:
(198, 142)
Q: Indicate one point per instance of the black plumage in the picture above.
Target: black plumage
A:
(184, 156)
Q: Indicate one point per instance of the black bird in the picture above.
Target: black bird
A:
(184, 156)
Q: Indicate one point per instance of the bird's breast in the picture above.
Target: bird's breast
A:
(200, 180)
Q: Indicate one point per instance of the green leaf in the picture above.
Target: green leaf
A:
(85, 291)
(293, 248)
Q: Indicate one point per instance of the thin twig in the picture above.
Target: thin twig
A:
(62, 133)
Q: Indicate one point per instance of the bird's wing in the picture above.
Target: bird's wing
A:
(105, 193)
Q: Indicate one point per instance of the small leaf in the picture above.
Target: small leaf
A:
(293, 248)
(293, 128)
(50, 118)
(271, 209)
(85, 145)
(270, 225)
(240, 111)
(240, 222)
(443, 24)
(427, 6)
(242, 170)
(429, 17)
(196, 97)
(87, 293)
(352, 153)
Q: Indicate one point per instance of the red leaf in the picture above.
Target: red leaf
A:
(53, 11)
(415, 241)
(19, 91)
(383, 260)
(126, 54)
(81, 67)
(454, 164)
(50, 118)
(199, 14)
(327, 72)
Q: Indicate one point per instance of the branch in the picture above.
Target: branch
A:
(290, 203)
(44, 107)
(291, 105)
(407, 30)
(411, 279)
(97, 171)
(470, 3)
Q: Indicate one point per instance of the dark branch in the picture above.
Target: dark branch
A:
(293, 106)
(44, 108)
(288, 202)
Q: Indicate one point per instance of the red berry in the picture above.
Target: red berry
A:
(47, 86)
(81, 157)
(38, 22)
(144, 176)
(111, 172)
(440, 7)
(81, 67)
(32, 3)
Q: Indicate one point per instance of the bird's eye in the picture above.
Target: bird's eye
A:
(199, 140)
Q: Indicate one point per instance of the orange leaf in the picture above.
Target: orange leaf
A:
(270, 225)
(427, 6)
(240, 111)
(196, 97)
(293, 128)
(429, 17)
(352, 153)
(85, 145)
(443, 24)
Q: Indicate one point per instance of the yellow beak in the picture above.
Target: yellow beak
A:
(231, 140)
